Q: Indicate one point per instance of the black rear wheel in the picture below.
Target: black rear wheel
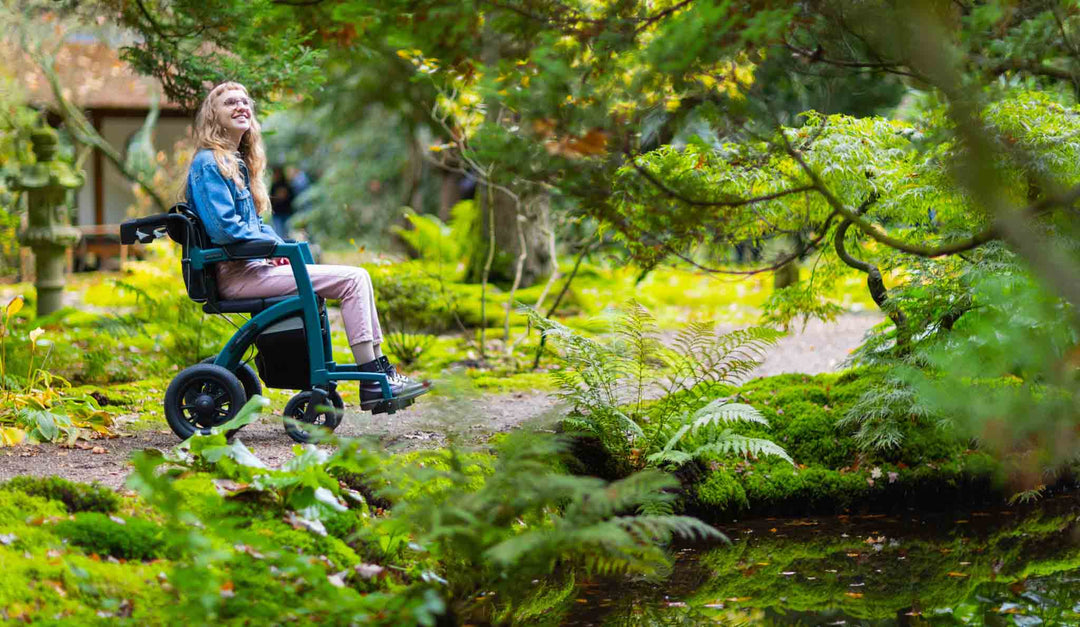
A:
(201, 397)
(328, 417)
(247, 376)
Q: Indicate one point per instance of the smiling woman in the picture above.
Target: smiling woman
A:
(225, 186)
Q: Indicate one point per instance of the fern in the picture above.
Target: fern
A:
(527, 520)
(608, 383)
(880, 413)
(709, 417)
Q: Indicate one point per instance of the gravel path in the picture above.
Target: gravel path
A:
(817, 348)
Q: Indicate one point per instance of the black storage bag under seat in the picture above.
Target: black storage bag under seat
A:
(283, 355)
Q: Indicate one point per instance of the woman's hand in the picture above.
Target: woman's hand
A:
(280, 261)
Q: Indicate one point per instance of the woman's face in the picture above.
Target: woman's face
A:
(234, 111)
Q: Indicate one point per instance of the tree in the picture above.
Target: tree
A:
(675, 124)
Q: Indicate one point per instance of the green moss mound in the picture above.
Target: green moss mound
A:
(76, 497)
(933, 468)
(122, 538)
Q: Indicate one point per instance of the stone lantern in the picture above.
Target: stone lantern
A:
(48, 232)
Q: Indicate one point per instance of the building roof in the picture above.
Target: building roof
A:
(91, 74)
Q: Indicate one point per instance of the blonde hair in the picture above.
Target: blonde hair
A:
(210, 135)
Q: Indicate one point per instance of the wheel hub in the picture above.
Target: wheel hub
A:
(204, 407)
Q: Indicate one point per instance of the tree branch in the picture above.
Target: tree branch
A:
(734, 202)
(874, 281)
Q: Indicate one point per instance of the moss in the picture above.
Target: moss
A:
(934, 467)
(722, 491)
(122, 538)
(76, 497)
(77, 590)
(17, 507)
(278, 534)
(477, 466)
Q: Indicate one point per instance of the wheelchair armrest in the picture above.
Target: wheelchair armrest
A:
(148, 229)
(254, 249)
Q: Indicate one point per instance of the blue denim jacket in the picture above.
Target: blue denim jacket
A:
(227, 211)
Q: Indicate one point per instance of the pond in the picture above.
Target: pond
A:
(1018, 566)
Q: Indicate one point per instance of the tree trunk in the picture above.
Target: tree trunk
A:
(534, 210)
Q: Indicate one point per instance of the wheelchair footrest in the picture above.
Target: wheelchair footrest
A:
(392, 405)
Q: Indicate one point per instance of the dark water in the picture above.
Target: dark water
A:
(992, 567)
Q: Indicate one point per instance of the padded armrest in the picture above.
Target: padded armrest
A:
(254, 249)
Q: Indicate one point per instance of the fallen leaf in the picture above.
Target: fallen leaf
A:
(57, 586)
(854, 595)
(99, 450)
(369, 571)
(956, 574)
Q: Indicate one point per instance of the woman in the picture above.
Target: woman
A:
(225, 186)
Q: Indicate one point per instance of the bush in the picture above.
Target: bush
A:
(122, 538)
(410, 303)
(76, 497)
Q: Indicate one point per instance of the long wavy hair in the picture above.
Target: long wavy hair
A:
(210, 135)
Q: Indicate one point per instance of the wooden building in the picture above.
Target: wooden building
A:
(117, 101)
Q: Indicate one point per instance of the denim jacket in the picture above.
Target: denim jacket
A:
(227, 211)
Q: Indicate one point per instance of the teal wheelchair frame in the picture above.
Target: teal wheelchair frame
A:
(209, 394)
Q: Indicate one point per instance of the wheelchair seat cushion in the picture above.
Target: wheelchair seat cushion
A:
(251, 305)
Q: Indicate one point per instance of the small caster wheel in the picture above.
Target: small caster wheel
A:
(327, 418)
(247, 376)
(201, 397)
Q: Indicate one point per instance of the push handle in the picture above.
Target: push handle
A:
(148, 229)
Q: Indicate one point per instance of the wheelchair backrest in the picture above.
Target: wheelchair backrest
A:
(201, 284)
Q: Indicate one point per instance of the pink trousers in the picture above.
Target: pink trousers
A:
(352, 286)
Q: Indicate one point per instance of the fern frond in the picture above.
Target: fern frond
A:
(664, 528)
(622, 495)
(730, 444)
(669, 457)
(722, 411)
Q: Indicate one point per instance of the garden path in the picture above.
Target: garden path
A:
(817, 348)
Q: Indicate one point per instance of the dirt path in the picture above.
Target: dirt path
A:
(818, 348)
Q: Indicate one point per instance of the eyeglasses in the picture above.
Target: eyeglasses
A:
(235, 102)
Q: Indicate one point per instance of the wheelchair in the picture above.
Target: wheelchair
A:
(291, 335)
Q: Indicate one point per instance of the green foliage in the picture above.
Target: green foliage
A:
(76, 497)
(932, 464)
(120, 537)
(607, 383)
(410, 306)
(186, 333)
(1010, 357)
(430, 239)
(879, 413)
(529, 521)
(718, 412)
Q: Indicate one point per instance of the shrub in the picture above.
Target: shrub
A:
(410, 303)
(76, 497)
(122, 538)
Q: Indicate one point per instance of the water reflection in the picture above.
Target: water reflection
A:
(994, 567)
